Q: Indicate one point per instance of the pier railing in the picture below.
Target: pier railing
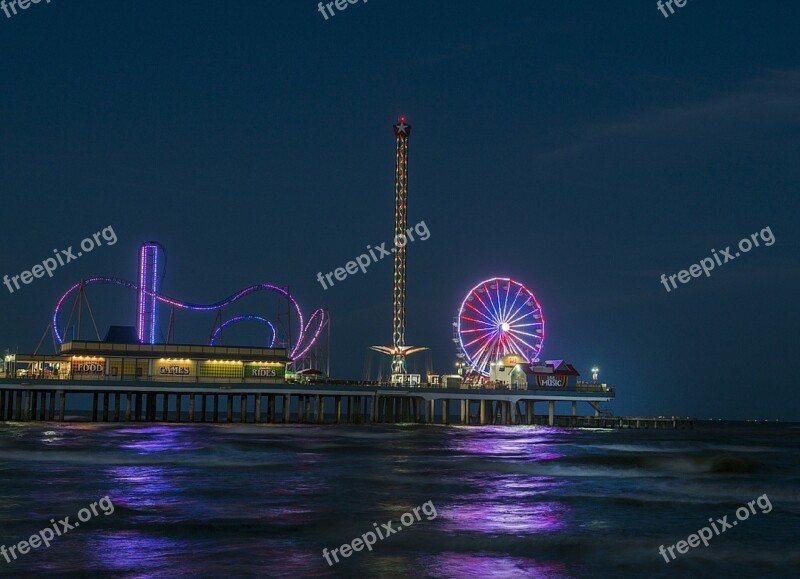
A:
(40, 377)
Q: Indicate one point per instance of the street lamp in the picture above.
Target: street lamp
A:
(595, 372)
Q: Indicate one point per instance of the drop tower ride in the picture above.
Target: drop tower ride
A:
(398, 350)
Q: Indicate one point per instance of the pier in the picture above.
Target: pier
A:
(328, 403)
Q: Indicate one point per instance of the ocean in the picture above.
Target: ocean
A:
(266, 501)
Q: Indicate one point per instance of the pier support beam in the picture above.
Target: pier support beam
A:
(551, 412)
(319, 411)
(287, 399)
(338, 411)
(358, 411)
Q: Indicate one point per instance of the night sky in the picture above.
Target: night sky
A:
(582, 148)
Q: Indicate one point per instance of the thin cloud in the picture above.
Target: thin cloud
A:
(769, 101)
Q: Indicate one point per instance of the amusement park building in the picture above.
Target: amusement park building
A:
(551, 374)
(84, 360)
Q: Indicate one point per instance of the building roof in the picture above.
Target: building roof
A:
(192, 351)
(551, 367)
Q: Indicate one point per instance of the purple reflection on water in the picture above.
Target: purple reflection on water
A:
(167, 557)
(510, 442)
(491, 516)
(157, 439)
(156, 494)
(487, 566)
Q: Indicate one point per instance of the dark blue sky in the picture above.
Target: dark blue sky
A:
(582, 148)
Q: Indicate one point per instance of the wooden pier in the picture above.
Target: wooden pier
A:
(131, 401)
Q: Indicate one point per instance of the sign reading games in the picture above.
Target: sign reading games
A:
(167, 368)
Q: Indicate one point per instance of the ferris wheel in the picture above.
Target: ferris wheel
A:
(498, 317)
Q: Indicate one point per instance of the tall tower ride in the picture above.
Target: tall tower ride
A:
(149, 287)
(398, 350)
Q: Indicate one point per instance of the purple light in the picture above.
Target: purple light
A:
(147, 309)
(238, 296)
(300, 348)
(311, 342)
(149, 295)
(238, 319)
(77, 286)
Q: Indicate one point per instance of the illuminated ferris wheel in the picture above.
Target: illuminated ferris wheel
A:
(498, 317)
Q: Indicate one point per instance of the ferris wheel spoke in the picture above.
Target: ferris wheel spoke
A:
(485, 349)
(491, 302)
(481, 331)
(527, 325)
(486, 308)
(481, 313)
(499, 305)
(515, 332)
(521, 307)
(519, 349)
(495, 304)
(490, 324)
(482, 362)
(513, 303)
(485, 336)
(516, 347)
(527, 344)
(473, 330)
(525, 315)
(508, 293)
